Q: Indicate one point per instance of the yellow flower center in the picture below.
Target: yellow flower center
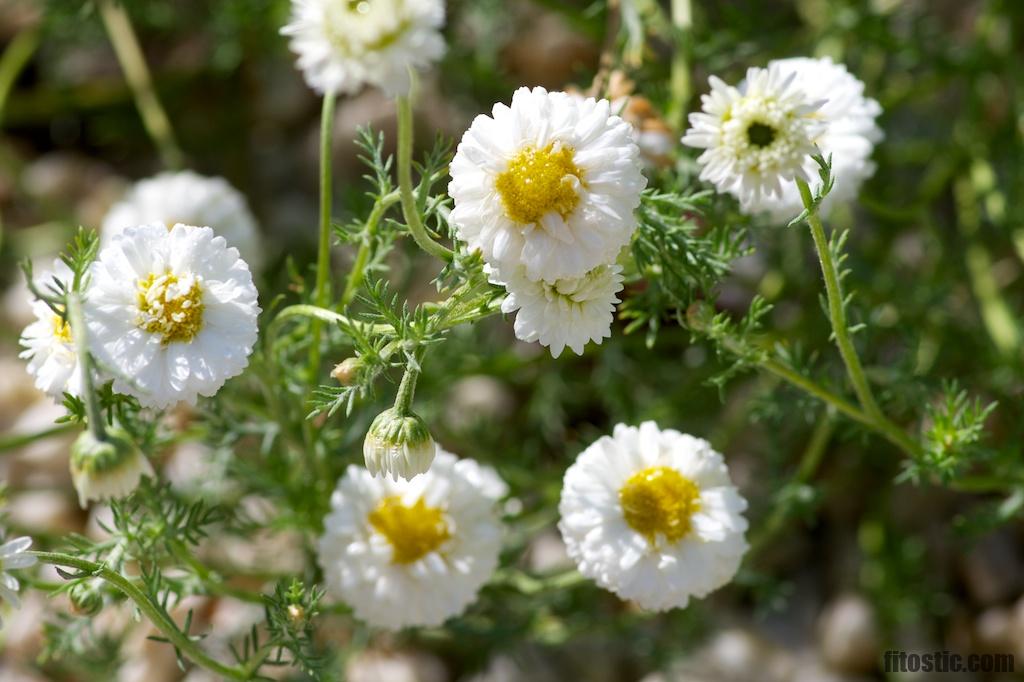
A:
(61, 329)
(538, 181)
(413, 532)
(659, 501)
(171, 308)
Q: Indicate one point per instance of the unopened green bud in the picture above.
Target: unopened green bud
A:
(347, 371)
(86, 598)
(108, 468)
(398, 445)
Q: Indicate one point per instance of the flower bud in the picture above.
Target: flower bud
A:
(347, 371)
(86, 598)
(398, 445)
(296, 615)
(108, 468)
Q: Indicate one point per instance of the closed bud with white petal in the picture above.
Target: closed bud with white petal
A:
(398, 445)
(107, 468)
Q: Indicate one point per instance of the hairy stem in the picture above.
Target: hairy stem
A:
(133, 63)
(358, 272)
(149, 608)
(406, 390)
(836, 307)
(877, 423)
(321, 294)
(409, 208)
(740, 347)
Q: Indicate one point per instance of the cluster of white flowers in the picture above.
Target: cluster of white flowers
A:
(849, 136)
(170, 313)
(649, 514)
(760, 136)
(546, 189)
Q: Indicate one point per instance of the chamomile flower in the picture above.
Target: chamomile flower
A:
(191, 199)
(756, 137)
(849, 135)
(651, 515)
(48, 345)
(569, 312)
(345, 45)
(13, 555)
(407, 553)
(171, 313)
(549, 183)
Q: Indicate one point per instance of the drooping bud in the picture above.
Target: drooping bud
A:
(108, 468)
(347, 371)
(398, 445)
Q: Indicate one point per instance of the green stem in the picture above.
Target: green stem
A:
(133, 63)
(325, 315)
(406, 391)
(877, 423)
(741, 348)
(473, 313)
(149, 608)
(409, 208)
(17, 54)
(15, 441)
(79, 333)
(321, 294)
(682, 23)
(358, 272)
(836, 308)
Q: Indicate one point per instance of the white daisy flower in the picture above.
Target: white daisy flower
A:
(13, 555)
(172, 313)
(48, 345)
(849, 136)
(756, 137)
(416, 552)
(191, 199)
(550, 183)
(106, 469)
(344, 45)
(651, 515)
(566, 312)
